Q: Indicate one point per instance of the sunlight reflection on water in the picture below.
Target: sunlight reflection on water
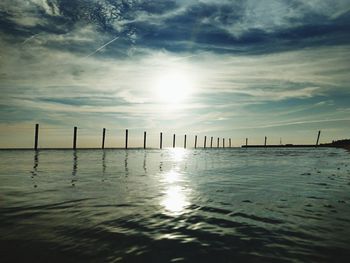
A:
(177, 155)
(175, 195)
(175, 200)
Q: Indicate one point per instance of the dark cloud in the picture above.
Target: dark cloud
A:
(212, 26)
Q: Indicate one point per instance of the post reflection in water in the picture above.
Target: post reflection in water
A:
(103, 165)
(34, 171)
(126, 163)
(161, 162)
(75, 167)
(175, 198)
(145, 163)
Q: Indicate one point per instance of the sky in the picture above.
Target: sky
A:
(228, 69)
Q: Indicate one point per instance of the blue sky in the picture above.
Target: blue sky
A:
(232, 69)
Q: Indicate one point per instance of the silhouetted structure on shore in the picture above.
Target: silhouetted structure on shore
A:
(345, 143)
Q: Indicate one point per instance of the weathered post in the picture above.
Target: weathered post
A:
(318, 137)
(174, 141)
(36, 136)
(144, 139)
(185, 139)
(229, 142)
(195, 142)
(75, 138)
(223, 142)
(126, 138)
(246, 141)
(211, 142)
(205, 142)
(161, 141)
(265, 141)
(103, 137)
(218, 143)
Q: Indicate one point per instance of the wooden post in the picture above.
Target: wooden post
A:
(36, 136)
(265, 141)
(318, 137)
(229, 142)
(161, 141)
(103, 137)
(75, 138)
(195, 142)
(211, 142)
(223, 142)
(218, 143)
(144, 139)
(174, 141)
(205, 142)
(185, 139)
(246, 141)
(126, 138)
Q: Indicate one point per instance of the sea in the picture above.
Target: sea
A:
(175, 205)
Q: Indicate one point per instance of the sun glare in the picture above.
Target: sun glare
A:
(173, 87)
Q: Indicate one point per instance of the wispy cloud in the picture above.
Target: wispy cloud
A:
(297, 123)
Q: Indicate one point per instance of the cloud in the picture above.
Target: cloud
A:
(95, 85)
(98, 61)
(180, 26)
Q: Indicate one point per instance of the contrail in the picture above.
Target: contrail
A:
(101, 47)
(30, 38)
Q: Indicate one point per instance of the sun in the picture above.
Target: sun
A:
(173, 87)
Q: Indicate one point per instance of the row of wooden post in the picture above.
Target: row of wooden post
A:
(75, 134)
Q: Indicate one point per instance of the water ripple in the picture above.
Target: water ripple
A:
(259, 205)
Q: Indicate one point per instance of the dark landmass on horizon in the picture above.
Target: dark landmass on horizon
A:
(345, 143)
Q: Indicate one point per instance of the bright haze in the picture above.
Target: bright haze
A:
(233, 69)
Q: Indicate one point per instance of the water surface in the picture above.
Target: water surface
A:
(175, 205)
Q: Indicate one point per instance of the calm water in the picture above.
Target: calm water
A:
(246, 205)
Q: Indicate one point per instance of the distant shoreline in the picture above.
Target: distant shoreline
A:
(296, 146)
(345, 144)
